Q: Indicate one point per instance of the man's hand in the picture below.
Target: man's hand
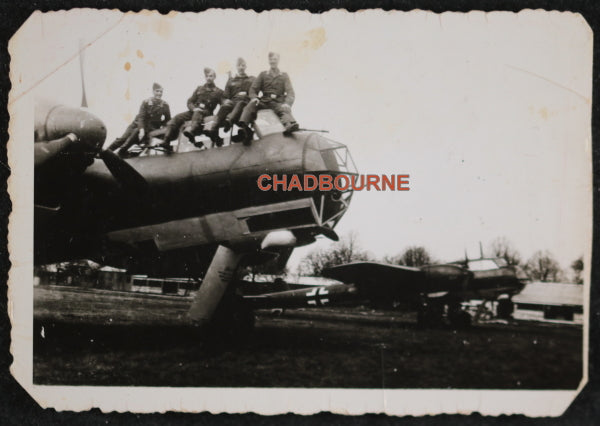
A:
(286, 107)
(141, 134)
(255, 101)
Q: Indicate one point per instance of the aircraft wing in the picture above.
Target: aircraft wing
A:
(385, 280)
(366, 272)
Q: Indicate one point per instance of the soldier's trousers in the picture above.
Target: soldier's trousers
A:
(196, 117)
(284, 114)
(229, 110)
(131, 129)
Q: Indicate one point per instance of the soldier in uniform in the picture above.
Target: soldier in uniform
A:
(154, 114)
(277, 94)
(235, 98)
(201, 104)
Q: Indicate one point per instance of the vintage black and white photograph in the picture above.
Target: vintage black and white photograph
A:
(370, 212)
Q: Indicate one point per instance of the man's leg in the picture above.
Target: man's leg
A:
(172, 129)
(248, 115)
(196, 125)
(223, 115)
(131, 140)
(212, 128)
(286, 117)
(119, 141)
(236, 113)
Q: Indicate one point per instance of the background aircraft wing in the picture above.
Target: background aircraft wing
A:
(365, 272)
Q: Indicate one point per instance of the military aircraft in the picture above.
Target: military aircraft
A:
(193, 212)
(435, 291)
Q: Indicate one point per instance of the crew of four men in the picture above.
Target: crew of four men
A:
(243, 96)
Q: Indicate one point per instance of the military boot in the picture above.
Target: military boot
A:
(170, 134)
(217, 140)
(193, 129)
(291, 128)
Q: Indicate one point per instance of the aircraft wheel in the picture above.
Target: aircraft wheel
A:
(505, 309)
(234, 321)
(430, 314)
(461, 319)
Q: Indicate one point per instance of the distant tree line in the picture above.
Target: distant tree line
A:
(541, 266)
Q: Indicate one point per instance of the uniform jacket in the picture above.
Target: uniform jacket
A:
(238, 87)
(154, 113)
(274, 86)
(205, 97)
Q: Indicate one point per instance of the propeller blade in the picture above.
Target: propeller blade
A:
(329, 233)
(83, 97)
(46, 150)
(124, 173)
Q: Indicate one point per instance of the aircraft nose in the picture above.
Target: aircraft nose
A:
(63, 120)
(521, 274)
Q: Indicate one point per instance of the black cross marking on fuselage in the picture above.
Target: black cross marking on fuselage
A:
(317, 296)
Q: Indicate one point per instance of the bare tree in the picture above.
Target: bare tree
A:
(412, 256)
(502, 247)
(577, 267)
(543, 267)
(344, 251)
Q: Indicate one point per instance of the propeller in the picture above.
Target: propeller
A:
(60, 128)
(123, 172)
(329, 233)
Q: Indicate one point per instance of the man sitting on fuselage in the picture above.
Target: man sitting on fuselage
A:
(201, 104)
(277, 94)
(235, 98)
(154, 114)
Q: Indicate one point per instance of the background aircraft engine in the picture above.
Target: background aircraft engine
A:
(446, 277)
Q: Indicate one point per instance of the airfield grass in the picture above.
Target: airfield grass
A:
(103, 338)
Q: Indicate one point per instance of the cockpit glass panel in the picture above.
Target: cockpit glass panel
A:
(501, 262)
(482, 265)
(336, 155)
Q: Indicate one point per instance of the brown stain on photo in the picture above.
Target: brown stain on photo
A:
(139, 53)
(127, 66)
(124, 52)
(163, 27)
(127, 94)
(316, 38)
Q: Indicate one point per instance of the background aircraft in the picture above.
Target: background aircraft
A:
(191, 213)
(435, 291)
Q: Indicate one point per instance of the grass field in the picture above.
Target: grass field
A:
(107, 338)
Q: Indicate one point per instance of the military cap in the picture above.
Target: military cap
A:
(208, 70)
(156, 86)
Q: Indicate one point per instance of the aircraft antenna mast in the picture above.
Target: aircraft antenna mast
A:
(83, 97)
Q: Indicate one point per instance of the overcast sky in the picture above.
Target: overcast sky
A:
(489, 114)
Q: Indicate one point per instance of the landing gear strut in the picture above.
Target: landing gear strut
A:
(217, 309)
